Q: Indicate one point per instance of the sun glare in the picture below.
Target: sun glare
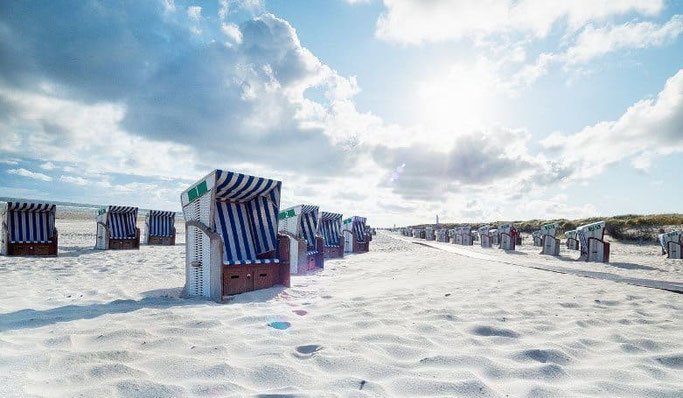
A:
(458, 100)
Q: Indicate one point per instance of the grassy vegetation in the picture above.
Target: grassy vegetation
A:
(624, 227)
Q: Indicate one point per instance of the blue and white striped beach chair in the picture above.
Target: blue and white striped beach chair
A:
(300, 225)
(160, 228)
(232, 240)
(117, 228)
(29, 229)
(330, 227)
(355, 240)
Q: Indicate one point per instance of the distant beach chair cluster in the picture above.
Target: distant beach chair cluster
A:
(588, 239)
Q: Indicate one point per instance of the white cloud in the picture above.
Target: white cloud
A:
(48, 166)
(649, 128)
(29, 174)
(417, 21)
(10, 162)
(593, 42)
(233, 33)
(74, 180)
(194, 12)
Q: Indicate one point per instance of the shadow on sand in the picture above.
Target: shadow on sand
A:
(156, 299)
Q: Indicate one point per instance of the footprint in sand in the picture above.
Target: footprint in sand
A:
(307, 351)
(490, 331)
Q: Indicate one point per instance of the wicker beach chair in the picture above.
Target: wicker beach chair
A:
(28, 229)
(160, 228)
(116, 228)
(306, 247)
(232, 240)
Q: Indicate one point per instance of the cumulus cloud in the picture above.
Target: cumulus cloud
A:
(29, 174)
(160, 95)
(417, 21)
(475, 162)
(649, 128)
(593, 42)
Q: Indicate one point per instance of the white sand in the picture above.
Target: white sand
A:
(403, 319)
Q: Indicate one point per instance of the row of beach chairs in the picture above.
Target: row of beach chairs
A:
(588, 239)
(237, 238)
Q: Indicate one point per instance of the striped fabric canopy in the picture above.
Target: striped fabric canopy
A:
(122, 221)
(584, 242)
(309, 225)
(30, 222)
(246, 216)
(160, 223)
(359, 227)
(330, 227)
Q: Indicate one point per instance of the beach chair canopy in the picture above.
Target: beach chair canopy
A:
(593, 230)
(30, 222)
(330, 227)
(121, 221)
(536, 234)
(673, 236)
(309, 225)
(549, 229)
(246, 216)
(570, 234)
(484, 230)
(357, 226)
(505, 228)
(161, 223)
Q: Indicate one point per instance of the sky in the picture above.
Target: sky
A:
(397, 110)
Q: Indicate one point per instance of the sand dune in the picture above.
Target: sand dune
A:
(404, 319)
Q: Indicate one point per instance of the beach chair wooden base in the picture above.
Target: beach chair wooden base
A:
(507, 242)
(361, 247)
(551, 246)
(485, 241)
(316, 260)
(334, 251)
(674, 250)
(33, 249)
(246, 278)
(249, 277)
(161, 240)
(125, 244)
(598, 251)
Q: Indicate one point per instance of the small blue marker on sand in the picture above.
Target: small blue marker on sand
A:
(280, 325)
